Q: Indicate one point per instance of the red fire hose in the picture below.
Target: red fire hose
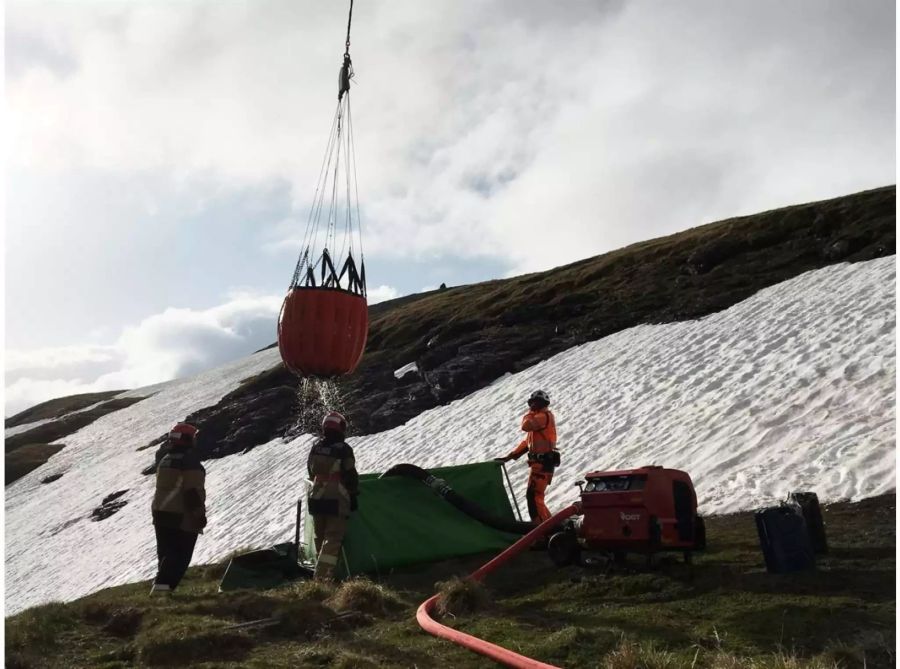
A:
(497, 653)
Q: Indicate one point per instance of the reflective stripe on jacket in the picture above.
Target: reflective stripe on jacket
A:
(180, 498)
(540, 426)
(332, 469)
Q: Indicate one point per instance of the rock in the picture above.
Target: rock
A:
(115, 495)
(683, 281)
(104, 512)
(156, 442)
(250, 416)
(837, 249)
(713, 253)
(51, 478)
(823, 224)
(407, 374)
(109, 506)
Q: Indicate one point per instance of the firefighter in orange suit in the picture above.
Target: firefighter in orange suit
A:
(332, 469)
(543, 458)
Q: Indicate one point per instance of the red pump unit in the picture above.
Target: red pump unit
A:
(644, 510)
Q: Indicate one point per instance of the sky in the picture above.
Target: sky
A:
(162, 155)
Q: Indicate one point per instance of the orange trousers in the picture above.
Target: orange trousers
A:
(538, 481)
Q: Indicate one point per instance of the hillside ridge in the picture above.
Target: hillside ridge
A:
(463, 338)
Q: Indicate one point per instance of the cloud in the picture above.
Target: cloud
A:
(168, 146)
(478, 125)
(164, 346)
(382, 294)
(168, 345)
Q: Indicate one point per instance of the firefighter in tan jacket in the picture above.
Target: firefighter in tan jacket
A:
(179, 506)
(539, 424)
(332, 469)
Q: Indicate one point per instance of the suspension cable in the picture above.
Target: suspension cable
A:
(326, 213)
(311, 222)
(349, 19)
(355, 188)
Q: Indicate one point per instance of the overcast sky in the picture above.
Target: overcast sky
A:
(163, 154)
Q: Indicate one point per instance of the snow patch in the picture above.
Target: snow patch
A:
(406, 369)
(19, 429)
(791, 389)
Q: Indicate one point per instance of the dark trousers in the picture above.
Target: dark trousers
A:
(174, 549)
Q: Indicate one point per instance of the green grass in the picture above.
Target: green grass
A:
(59, 407)
(723, 612)
(642, 277)
(67, 424)
(29, 450)
(28, 458)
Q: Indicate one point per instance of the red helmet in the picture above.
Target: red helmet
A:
(334, 421)
(183, 433)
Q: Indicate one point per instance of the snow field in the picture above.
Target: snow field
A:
(794, 388)
(791, 389)
(53, 549)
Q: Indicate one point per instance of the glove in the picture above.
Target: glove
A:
(505, 458)
(354, 504)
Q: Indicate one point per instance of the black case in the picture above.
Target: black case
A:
(784, 539)
(808, 503)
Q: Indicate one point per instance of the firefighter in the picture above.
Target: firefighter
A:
(179, 506)
(543, 458)
(335, 487)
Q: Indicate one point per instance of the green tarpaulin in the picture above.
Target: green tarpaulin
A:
(401, 522)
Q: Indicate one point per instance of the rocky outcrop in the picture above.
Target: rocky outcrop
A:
(111, 504)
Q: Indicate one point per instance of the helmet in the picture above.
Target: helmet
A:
(183, 433)
(334, 421)
(539, 396)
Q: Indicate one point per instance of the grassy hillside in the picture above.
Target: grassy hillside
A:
(723, 612)
(465, 337)
(59, 407)
(66, 424)
(27, 458)
(29, 450)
